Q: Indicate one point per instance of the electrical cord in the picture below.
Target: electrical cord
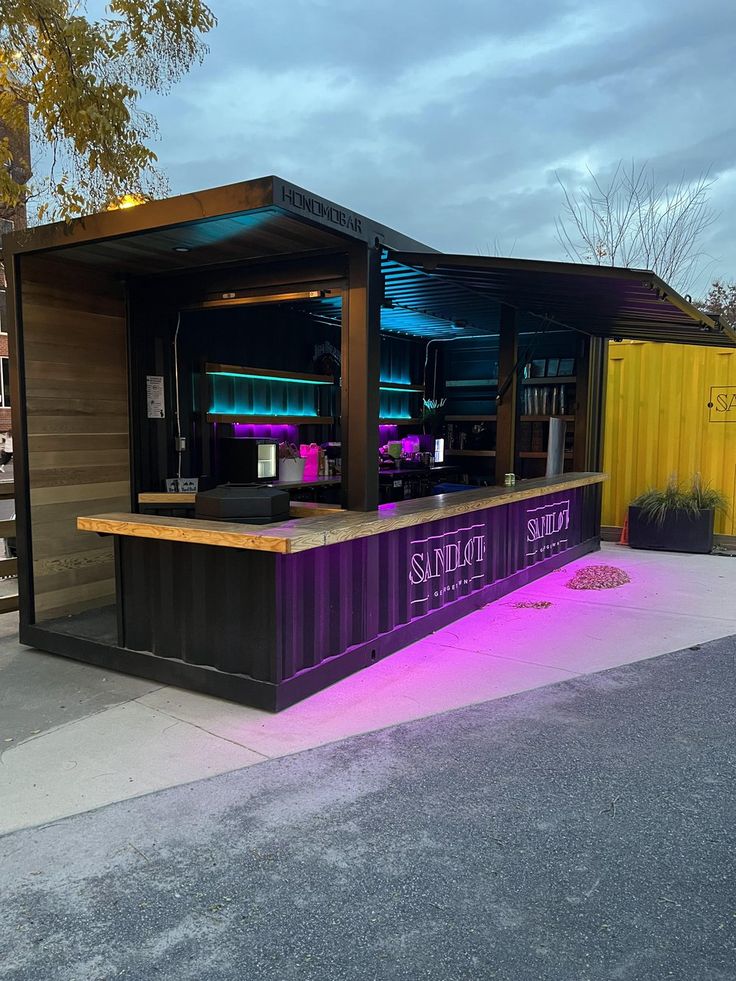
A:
(436, 340)
(523, 358)
(177, 417)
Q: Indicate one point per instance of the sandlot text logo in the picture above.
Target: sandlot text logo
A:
(441, 565)
(722, 403)
(546, 529)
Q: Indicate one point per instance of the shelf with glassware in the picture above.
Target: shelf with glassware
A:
(547, 390)
(470, 436)
(470, 417)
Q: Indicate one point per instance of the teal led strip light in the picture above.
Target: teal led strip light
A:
(266, 414)
(270, 378)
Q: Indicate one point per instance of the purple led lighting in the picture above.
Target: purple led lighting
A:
(282, 432)
(385, 433)
(437, 567)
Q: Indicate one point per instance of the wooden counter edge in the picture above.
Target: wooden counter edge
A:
(319, 530)
(129, 526)
(375, 523)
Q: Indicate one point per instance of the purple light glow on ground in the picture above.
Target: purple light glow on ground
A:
(495, 651)
(674, 601)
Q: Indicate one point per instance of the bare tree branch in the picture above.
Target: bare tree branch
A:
(629, 220)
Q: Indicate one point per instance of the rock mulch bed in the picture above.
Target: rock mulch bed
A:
(598, 577)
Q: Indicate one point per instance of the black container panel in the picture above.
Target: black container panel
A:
(199, 603)
(290, 619)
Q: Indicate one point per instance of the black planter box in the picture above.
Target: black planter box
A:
(680, 532)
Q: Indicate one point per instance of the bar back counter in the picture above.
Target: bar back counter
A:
(143, 339)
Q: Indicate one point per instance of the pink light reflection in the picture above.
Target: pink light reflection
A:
(283, 432)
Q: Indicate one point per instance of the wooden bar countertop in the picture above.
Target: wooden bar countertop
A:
(301, 534)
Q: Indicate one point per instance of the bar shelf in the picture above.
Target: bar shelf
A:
(391, 387)
(539, 455)
(471, 453)
(260, 420)
(550, 380)
(545, 418)
(487, 418)
(266, 374)
(240, 393)
(470, 382)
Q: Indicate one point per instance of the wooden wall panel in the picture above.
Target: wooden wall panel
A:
(74, 333)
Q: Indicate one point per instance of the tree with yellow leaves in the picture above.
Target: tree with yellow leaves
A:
(78, 81)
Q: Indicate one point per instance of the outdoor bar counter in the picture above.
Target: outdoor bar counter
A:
(270, 614)
(161, 351)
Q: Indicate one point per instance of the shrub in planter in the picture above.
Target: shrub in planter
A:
(676, 520)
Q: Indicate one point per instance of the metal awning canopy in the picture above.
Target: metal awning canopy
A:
(603, 301)
(250, 220)
(426, 294)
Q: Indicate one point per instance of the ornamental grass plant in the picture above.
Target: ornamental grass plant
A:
(656, 504)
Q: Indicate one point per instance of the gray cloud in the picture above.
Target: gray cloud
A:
(448, 121)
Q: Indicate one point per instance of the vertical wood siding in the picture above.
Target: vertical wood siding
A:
(74, 334)
(658, 423)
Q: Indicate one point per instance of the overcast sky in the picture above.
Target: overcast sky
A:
(447, 120)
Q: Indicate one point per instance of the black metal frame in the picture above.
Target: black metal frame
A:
(258, 278)
(360, 355)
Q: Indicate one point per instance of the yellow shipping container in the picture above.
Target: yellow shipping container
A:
(670, 408)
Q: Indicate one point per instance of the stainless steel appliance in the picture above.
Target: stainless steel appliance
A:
(246, 460)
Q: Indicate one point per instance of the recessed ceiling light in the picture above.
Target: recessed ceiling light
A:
(182, 248)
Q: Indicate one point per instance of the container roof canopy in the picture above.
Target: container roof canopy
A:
(253, 219)
(603, 301)
(426, 294)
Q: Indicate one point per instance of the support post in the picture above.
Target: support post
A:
(360, 356)
(508, 375)
(597, 402)
(582, 405)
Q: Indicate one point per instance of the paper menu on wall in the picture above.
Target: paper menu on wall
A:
(155, 405)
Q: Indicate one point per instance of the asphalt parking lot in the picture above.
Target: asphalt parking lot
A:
(578, 832)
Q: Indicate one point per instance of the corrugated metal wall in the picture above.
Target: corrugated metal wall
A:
(337, 597)
(658, 422)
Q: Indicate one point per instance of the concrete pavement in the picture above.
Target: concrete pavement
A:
(76, 737)
(578, 832)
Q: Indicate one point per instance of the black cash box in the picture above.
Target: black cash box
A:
(250, 504)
